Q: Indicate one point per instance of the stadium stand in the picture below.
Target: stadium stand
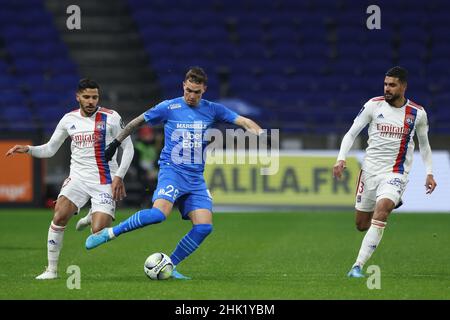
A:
(297, 61)
(300, 61)
(36, 73)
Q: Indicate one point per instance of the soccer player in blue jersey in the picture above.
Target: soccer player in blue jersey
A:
(180, 178)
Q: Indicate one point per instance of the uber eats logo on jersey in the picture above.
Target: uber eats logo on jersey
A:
(193, 143)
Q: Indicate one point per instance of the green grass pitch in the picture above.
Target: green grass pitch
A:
(254, 256)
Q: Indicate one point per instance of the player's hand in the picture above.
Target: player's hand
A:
(430, 184)
(111, 149)
(17, 149)
(265, 138)
(118, 189)
(339, 168)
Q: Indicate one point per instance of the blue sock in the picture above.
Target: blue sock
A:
(190, 242)
(139, 220)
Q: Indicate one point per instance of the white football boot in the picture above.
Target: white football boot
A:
(85, 221)
(47, 275)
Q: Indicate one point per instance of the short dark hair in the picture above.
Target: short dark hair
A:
(87, 83)
(398, 72)
(196, 75)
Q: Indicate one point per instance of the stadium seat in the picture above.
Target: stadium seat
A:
(297, 46)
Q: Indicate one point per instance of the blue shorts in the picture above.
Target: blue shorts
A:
(187, 191)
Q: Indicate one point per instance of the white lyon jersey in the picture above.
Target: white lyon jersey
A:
(391, 131)
(90, 136)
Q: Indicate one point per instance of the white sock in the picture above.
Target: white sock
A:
(54, 245)
(370, 242)
(89, 216)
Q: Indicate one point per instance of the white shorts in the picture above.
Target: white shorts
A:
(80, 192)
(371, 188)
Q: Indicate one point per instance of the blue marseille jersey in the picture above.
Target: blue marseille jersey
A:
(184, 131)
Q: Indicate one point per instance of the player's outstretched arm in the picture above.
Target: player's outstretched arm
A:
(346, 145)
(129, 129)
(47, 150)
(361, 120)
(248, 125)
(17, 149)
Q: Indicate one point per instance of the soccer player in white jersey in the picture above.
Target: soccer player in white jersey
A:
(90, 128)
(393, 120)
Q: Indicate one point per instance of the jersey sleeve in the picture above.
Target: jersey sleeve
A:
(424, 145)
(363, 118)
(158, 114)
(223, 114)
(117, 125)
(365, 114)
(52, 146)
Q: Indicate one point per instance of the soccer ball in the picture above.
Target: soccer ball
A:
(158, 266)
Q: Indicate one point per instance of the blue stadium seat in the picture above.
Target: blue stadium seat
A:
(51, 98)
(440, 50)
(438, 68)
(60, 66)
(414, 66)
(350, 35)
(413, 33)
(10, 97)
(294, 49)
(439, 34)
(350, 20)
(8, 82)
(284, 34)
(20, 49)
(27, 66)
(414, 50)
(50, 51)
(17, 118)
(345, 68)
(152, 32)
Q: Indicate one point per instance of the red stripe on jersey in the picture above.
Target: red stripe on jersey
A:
(418, 106)
(380, 98)
(98, 147)
(359, 180)
(102, 109)
(410, 112)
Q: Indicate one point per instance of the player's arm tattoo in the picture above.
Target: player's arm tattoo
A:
(131, 127)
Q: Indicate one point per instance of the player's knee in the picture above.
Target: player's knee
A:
(362, 226)
(60, 219)
(204, 229)
(95, 229)
(382, 214)
(164, 206)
